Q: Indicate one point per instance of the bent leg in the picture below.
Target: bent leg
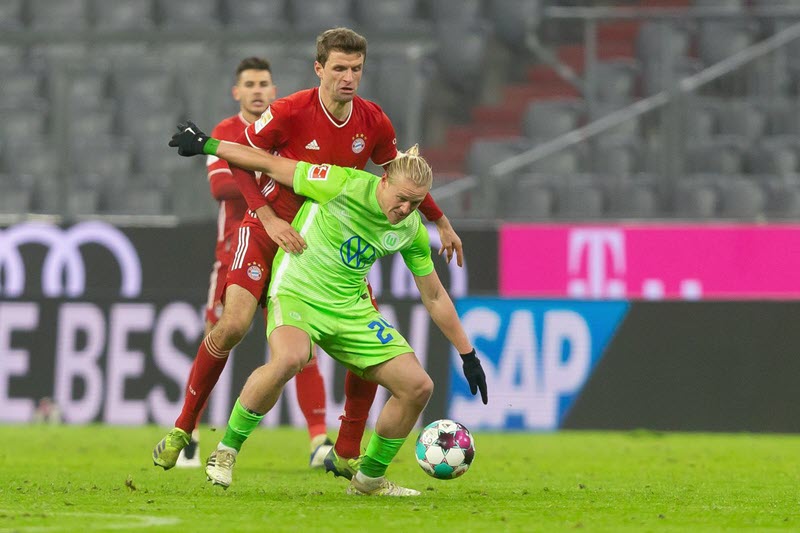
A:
(289, 347)
(212, 355)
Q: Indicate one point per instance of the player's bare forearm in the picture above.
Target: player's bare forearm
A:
(280, 169)
(442, 311)
(451, 242)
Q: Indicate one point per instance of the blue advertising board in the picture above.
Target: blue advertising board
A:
(537, 355)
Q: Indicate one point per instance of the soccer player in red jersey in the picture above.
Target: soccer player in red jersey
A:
(254, 90)
(328, 124)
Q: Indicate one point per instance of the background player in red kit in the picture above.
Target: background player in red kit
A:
(254, 90)
(329, 124)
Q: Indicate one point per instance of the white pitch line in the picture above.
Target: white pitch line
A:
(130, 521)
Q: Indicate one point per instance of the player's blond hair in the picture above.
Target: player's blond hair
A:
(411, 165)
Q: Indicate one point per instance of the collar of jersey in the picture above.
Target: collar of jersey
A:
(327, 114)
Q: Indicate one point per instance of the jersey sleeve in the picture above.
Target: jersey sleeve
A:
(320, 182)
(417, 255)
(386, 146)
(272, 129)
(220, 176)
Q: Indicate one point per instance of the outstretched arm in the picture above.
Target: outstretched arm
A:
(443, 313)
(190, 140)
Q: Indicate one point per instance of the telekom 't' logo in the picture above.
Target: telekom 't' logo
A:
(596, 263)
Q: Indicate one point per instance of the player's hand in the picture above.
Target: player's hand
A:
(284, 235)
(476, 378)
(189, 140)
(451, 242)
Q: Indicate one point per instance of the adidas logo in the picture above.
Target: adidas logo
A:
(312, 145)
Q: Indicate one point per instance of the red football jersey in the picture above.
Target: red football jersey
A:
(232, 205)
(299, 127)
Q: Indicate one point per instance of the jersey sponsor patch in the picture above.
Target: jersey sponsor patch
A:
(263, 120)
(318, 172)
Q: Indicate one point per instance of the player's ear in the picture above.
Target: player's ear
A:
(318, 68)
(235, 92)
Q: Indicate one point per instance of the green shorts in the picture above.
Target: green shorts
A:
(360, 339)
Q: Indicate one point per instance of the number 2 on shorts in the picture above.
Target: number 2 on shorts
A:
(380, 325)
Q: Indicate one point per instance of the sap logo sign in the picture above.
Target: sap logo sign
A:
(537, 356)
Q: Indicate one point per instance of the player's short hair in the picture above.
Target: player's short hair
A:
(252, 63)
(340, 40)
(411, 165)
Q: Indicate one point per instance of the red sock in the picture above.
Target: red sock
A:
(206, 369)
(311, 397)
(359, 395)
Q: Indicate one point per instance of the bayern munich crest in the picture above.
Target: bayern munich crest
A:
(254, 271)
(359, 143)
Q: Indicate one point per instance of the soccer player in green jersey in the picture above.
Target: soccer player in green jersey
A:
(350, 219)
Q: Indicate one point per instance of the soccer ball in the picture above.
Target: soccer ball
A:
(445, 449)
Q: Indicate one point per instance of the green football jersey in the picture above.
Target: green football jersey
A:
(346, 232)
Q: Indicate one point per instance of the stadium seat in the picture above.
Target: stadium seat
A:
(14, 200)
(32, 157)
(256, 15)
(742, 119)
(147, 123)
(616, 81)
(721, 155)
(783, 200)
(783, 118)
(732, 5)
(630, 129)
(719, 39)
(657, 42)
(628, 199)
(107, 158)
(484, 153)
(86, 89)
(12, 57)
(528, 199)
(11, 12)
(547, 119)
(146, 88)
(122, 56)
(659, 76)
(313, 16)
(94, 124)
(59, 14)
(580, 201)
(571, 160)
(62, 55)
(189, 14)
(122, 15)
(777, 155)
(458, 11)
(83, 201)
(20, 88)
(514, 20)
(461, 61)
(616, 157)
(700, 120)
(137, 201)
(389, 15)
(741, 199)
(20, 124)
(394, 97)
(696, 200)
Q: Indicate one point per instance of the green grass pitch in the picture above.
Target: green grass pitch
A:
(100, 478)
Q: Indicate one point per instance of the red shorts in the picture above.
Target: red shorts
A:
(251, 262)
(216, 286)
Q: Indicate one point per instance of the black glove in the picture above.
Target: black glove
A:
(189, 140)
(475, 375)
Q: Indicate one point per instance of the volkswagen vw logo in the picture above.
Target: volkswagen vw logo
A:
(356, 252)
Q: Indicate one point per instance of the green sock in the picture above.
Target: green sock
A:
(380, 452)
(240, 425)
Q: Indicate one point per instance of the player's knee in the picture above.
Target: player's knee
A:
(229, 332)
(421, 389)
(290, 362)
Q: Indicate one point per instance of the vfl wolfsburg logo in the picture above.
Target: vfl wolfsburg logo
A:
(391, 240)
(356, 252)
